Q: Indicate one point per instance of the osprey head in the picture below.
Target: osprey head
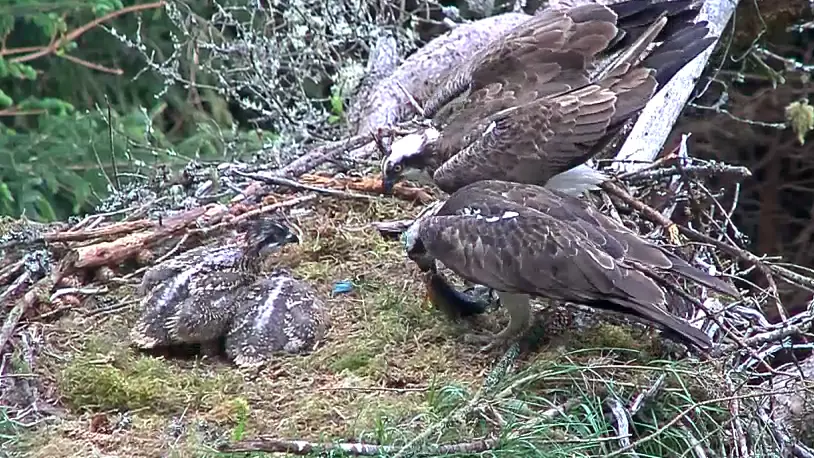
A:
(266, 235)
(415, 248)
(408, 156)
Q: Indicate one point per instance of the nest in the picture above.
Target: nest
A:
(759, 365)
(615, 394)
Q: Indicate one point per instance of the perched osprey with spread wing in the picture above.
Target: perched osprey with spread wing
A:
(549, 94)
(525, 240)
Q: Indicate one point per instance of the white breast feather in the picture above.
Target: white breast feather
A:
(577, 180)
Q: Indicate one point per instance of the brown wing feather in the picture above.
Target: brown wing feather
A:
(533, 82)
(525, 50)
(614, 238)
(533, 142)
(563, 265)
(549, 55)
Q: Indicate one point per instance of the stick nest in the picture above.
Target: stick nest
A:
(61, 278)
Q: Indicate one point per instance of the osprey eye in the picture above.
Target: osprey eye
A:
(397, 168)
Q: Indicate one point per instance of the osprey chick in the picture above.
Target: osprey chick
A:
(211, 292)
(279, 314)
(188, 298)
(534, 105)
(525, 240)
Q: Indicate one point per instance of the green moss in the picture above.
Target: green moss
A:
(353, 361)
(610, 336)
(139, 382)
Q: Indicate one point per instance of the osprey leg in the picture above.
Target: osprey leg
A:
(519, 310)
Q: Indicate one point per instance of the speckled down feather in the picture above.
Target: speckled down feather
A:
(179, 292)
(276, 315)
(217, 291)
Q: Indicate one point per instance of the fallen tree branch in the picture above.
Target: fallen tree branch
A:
(119, 250)
(107, 231)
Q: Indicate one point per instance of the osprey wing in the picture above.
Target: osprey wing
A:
(547, 55)
(549, 95)
(521, 250)
(578, 214)
(533, 142)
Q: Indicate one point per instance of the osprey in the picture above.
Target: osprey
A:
(277, 314)
(218, 292)
(525, 240)
(534, 105)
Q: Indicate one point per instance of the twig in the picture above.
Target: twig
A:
(107, 231)
(118, 250)
(694, 171)
(799, 450)
(375, 388)
(14, 287)
(766, 267)
(163, 258)
(256, 212)
(638, 401)
(759, 339)
(305, 448)
(10, 270)
(85, 291)
(412, 101)
(495, 375)
(14, 316)
(621, 422)
(112, 308)
(321, 154)
(686, 412)
(649, 212)
(280, 181)
(737, 427)
(74, 34)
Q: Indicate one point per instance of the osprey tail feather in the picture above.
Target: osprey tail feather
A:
(674, 325)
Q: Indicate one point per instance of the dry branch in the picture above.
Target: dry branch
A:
(27, 301)
(127, 247)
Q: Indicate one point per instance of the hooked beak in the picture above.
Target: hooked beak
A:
(276, 244)
(388, 182)
(267, 249)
